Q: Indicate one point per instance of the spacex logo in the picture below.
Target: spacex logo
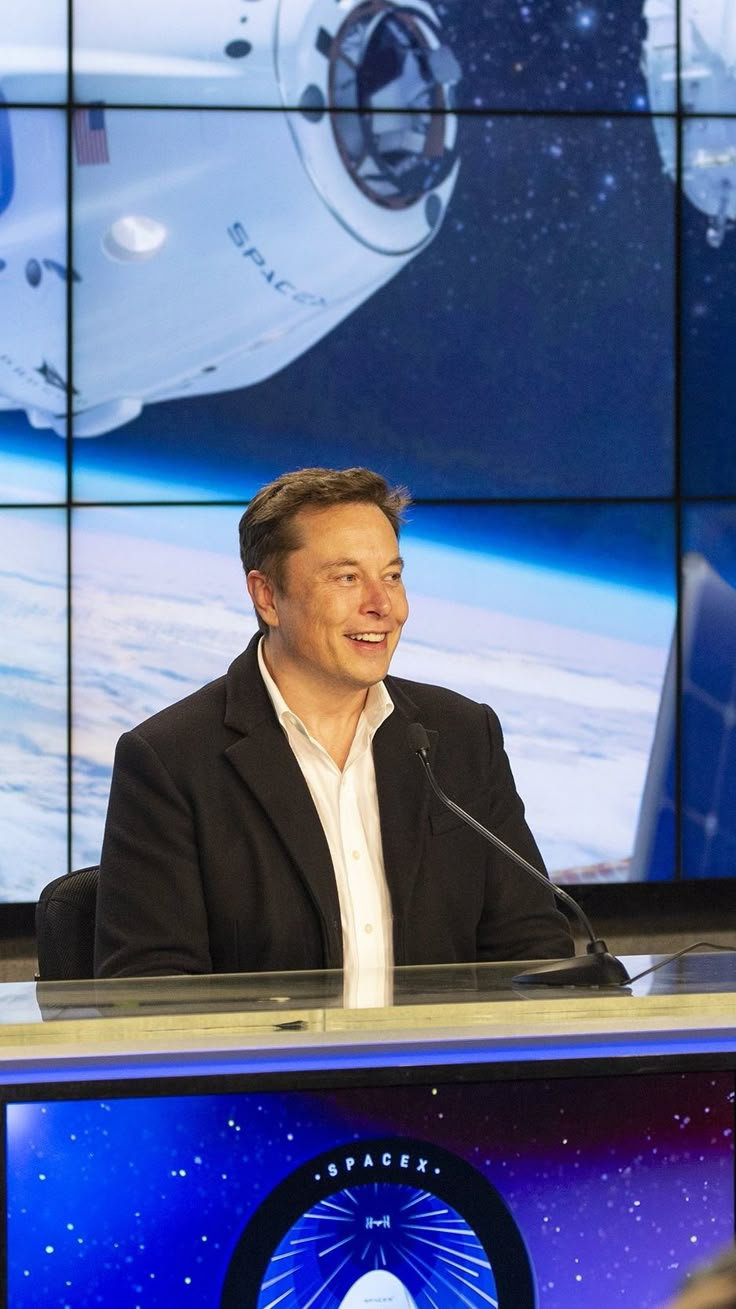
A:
(368, 1163)
(393, 1222)
(241, 240)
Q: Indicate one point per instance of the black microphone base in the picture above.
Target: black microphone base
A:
(599, 968)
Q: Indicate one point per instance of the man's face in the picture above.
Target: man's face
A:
(337, 621)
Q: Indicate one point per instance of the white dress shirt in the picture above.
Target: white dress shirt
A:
(347, 804)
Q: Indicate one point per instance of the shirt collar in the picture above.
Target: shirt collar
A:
(378, 702)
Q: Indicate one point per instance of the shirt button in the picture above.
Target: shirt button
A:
(368, 929)
(356, 854)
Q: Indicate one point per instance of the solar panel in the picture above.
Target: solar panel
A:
(708, 741)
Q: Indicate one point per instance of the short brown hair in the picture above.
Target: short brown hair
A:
(266, 529)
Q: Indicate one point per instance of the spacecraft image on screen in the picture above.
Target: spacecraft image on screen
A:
(34, 53)
(231, 243)
(361, 162)
(708, 87)
(279, 223)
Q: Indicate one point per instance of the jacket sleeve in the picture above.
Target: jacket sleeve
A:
(520, 919)
(151, 916)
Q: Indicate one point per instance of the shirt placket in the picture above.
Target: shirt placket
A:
(362, 895)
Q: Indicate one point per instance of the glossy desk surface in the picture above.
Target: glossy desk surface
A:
(442, 1014)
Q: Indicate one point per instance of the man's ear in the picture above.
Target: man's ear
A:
(263, 594)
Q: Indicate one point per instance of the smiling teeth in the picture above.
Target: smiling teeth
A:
(374, 637)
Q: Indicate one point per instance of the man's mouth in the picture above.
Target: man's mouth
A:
(371, 638)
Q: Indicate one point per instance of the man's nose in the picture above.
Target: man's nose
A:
(377, 598)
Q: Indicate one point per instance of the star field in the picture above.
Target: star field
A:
(140, 1203)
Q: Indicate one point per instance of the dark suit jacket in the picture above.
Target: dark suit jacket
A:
(214, 858)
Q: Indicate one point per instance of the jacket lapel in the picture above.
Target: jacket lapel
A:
(403, 801)
(266, 764)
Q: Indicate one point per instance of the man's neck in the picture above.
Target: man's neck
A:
(331, 717)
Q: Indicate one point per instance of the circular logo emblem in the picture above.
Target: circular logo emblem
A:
(393, 1222)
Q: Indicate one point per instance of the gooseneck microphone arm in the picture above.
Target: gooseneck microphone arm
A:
(598, 967)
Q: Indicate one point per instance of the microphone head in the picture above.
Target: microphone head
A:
(418, 739)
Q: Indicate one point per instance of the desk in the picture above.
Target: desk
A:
(209, 1141)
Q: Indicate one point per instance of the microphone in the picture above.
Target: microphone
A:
(597, 967)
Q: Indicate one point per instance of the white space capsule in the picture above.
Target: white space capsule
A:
(708, 86)
(211, 247)
(33, 51)
(378, 1288)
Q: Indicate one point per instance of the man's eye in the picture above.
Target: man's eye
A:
(395, 577)
(346, 577)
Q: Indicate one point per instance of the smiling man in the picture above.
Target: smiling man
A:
(277, 819)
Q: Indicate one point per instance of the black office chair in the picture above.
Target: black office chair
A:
(65, 926)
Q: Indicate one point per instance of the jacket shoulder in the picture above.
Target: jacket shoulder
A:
(436, 702)
(192, 718)
(212, 710)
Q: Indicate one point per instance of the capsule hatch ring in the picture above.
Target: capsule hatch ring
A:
(391, 83)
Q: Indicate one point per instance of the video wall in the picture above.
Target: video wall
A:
(487, 250)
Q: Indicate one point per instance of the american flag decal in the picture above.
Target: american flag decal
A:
(90, 136)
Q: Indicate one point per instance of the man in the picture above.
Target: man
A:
(277, 819)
